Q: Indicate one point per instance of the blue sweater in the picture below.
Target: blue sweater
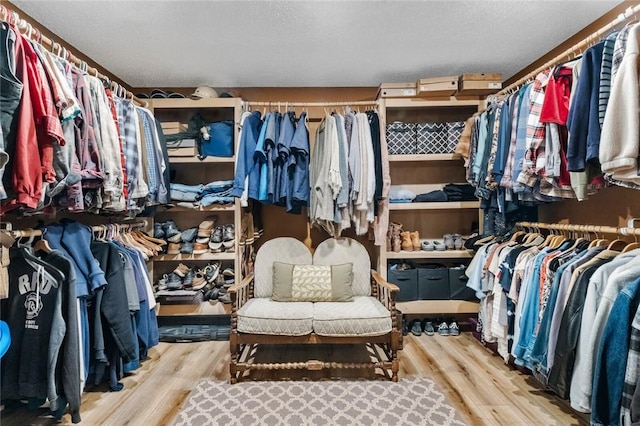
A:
(246, 164)
(583, 122)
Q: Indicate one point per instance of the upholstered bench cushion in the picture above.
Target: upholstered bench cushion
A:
(365, 316)
(264, 316)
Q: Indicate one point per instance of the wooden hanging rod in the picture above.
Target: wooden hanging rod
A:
(99, 228)
(312, 104)
(572, 51)
(36, 35)
(580, 228)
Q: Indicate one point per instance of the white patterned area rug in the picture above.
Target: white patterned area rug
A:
(415, 401)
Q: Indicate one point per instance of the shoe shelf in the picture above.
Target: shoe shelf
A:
(422, 254)
(183, 257)
(190, 170)
(431, 307)
(196, 160)
(423, 174)
(212, 208)
(425, 157)
(435, 206)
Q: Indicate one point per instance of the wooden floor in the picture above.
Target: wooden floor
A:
(479, 384)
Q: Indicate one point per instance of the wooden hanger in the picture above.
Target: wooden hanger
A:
(617, 245)
(632, 246)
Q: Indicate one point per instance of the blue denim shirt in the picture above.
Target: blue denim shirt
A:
(521, 137)
(299, 162)
(245, 163)
(611, 361)
(260, 156)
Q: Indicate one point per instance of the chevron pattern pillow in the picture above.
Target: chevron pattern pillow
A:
(312, 283)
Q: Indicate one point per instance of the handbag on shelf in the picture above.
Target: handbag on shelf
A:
(216, 139)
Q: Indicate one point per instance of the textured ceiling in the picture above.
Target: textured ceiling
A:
(183, 43)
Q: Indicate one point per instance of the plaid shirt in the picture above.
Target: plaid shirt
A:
(619, 48)
(149, 145)
(128, 129)
(535, 160)
(494, 146)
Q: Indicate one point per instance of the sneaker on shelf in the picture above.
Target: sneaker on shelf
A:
(229, 237)
(229, 276)
(206, 227)
(215, 242)
(188, 279)
(211, 295)
(162, 283)
(189, 236)
(203, 240)
(199, 248)
(457, 241)
(219, 281)
(173, 248)
(453, 329)
(186, 247)
(158, 232)
(448, 241)
(438, 246)
(225, 298)
(443, 329)
(199, 280)
(211, 272)
(181, 270)
(171, 231)
(174, 282)
(428, 328)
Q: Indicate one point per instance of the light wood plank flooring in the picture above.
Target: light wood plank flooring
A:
(479, 384)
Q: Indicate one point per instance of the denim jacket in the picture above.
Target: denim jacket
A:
(246, 166)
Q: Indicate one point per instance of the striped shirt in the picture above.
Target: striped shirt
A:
(619, 48)
(605, 75)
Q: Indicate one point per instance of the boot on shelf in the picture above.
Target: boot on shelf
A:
(415, 240)
(396, 240)
(389, 238)
(407, 245)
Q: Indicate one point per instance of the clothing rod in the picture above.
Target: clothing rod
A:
(593, 38)
(580, 228)
(36, 35)
(99, 228)
(311, 104)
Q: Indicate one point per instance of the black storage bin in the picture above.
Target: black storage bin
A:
(407, 280)
(458, 285)
(433, 282)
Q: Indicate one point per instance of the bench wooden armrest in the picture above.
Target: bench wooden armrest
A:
(385, 292)
(240, 293)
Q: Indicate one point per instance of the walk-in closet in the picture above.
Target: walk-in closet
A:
(320, 212)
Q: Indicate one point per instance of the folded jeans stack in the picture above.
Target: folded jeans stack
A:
(195, 196)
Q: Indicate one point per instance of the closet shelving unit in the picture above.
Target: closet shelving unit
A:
(191, 171)
(423, 173)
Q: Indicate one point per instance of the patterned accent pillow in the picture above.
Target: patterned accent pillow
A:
(312, 283)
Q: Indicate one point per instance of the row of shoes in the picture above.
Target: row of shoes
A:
(207, 237)
(212, 282)
(449, 242)
(398, 239)
(426, 326)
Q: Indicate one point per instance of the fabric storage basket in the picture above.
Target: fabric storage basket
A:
(432, 138)
(407, 281)
(458, 289)
(433, 282)
(454, 131)
(401, 138)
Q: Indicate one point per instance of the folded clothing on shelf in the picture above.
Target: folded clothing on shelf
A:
(460, 192)
(400, 195)
(207, 194)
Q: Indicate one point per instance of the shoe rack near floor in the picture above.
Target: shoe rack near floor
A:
(190, 170)
(423, 173)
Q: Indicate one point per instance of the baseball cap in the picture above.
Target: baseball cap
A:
(204, 92)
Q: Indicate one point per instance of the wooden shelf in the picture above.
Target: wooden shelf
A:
(190, 103)
(435, 206)
(195, 160)
(211, 208)
(204, 308)
(422, 254)
(436, 103)
(206, 256)
(438, 307)
(425, 157)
